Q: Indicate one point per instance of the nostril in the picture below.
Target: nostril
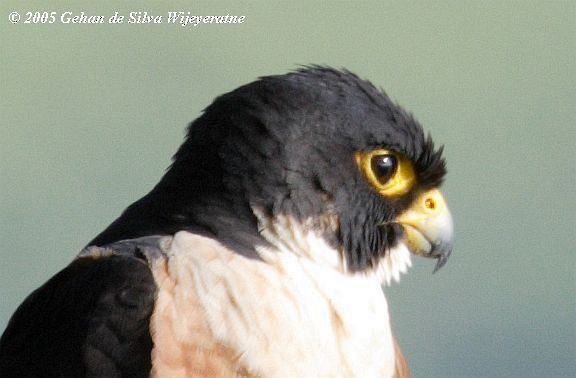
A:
(430, 203)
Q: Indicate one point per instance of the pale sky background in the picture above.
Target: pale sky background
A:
(91, 114)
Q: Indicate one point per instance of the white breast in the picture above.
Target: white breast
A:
(286, 316)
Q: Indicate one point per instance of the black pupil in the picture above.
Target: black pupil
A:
(384, 167)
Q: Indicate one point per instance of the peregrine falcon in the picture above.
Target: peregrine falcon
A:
(261, 252)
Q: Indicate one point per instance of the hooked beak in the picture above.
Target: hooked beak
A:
(428, 229)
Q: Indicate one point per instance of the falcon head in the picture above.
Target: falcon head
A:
(316, 162)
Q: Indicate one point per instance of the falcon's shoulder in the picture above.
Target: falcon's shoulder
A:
(92, 318)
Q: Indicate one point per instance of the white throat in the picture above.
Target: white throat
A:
(292, 237)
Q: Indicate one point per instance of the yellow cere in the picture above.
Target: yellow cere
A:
(402, 180)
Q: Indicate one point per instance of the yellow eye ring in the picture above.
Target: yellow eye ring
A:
(390, 173)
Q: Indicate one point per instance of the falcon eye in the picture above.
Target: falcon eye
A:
(389, 172)
(384, 167)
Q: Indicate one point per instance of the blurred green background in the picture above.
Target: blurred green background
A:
(91, 114)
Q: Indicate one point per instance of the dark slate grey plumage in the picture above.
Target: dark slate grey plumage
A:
(275, 143)
(91, 319)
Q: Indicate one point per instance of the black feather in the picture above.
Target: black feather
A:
(285, 145)
(91, 319)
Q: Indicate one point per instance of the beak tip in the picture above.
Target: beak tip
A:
(442, 259)
(439, 265)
